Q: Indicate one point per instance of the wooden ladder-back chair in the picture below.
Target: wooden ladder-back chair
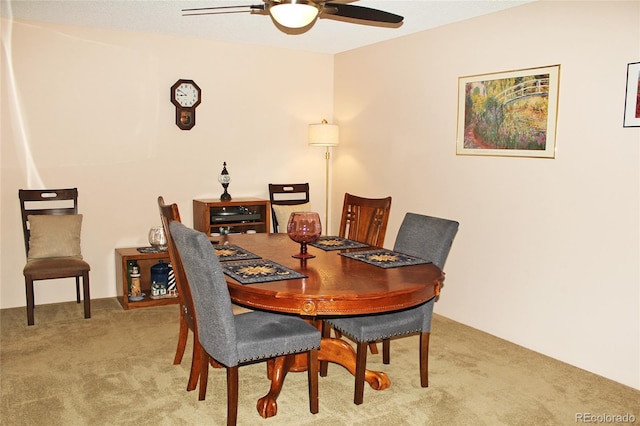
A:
(365, 219)
(286, 198)
(421, 236)
(170, 213)
(233, 340)
(51, 226)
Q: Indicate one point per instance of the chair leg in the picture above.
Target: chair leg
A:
(28, 283)
(232, 395)
(203, 360)
(424, 359)
(87, 296)
(386, 351)
(326, 333)
(78, 289)
(198, 358)
(361, 364)
(312, 373)
(183, 334)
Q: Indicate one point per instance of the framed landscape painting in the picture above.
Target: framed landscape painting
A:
(511, 113)
(632, 99)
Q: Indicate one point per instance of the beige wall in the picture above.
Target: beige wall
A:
(547, 252)
(547, 255)
(90, 108)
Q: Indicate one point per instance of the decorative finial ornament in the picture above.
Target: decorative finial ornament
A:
(224, 179)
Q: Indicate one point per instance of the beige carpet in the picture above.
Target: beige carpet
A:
(116, 369)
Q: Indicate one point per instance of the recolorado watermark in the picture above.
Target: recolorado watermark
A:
(605, 418)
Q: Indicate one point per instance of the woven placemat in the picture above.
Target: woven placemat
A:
(384, 258)
(336, 243)
(231, 252)
(259, 271)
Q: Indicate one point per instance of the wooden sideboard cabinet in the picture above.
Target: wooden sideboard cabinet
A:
(236, 216)
(145, 262)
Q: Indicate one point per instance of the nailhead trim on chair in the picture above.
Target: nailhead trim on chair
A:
(277, 354)
(387, 336)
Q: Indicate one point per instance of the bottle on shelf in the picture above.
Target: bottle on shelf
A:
(130, 264)
(136, 289)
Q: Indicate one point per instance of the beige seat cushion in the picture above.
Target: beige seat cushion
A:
(283, 213)
(54, 236)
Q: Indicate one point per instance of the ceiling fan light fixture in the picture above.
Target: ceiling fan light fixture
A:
(294, 13)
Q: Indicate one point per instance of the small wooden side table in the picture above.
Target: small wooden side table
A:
(145, 262)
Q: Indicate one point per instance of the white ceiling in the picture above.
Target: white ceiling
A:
(325, 36)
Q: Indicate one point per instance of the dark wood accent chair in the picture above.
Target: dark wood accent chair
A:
(170, 213)
(59, 257)
(425, 237)
(286, 195)
(233, 340)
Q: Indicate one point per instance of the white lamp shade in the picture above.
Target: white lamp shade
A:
(324, 134)
(293, 14)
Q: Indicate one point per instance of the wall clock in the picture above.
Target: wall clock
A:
(186, 96)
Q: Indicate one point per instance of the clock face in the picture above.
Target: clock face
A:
(186, 95)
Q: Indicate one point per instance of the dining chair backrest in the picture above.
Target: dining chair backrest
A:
(426, 237)
(45, 202)
(365, 219)
(293, 194)
(205, 278)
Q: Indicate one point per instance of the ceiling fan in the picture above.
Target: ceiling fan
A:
(302, 13)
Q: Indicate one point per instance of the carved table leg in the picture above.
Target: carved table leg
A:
(333, 350)
(267, 405)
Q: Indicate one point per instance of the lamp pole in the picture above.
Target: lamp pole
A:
(327, 135)
(327, 156)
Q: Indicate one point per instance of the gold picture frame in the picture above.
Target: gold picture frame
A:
(510, 113)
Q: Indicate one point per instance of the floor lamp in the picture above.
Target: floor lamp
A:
(327, 135)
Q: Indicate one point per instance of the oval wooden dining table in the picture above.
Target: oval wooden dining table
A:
(334, 286)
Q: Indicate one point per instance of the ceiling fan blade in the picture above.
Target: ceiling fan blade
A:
(363, 13)
(222, 9)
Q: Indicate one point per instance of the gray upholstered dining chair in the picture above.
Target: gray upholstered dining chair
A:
(232, 340)
(425, 237)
